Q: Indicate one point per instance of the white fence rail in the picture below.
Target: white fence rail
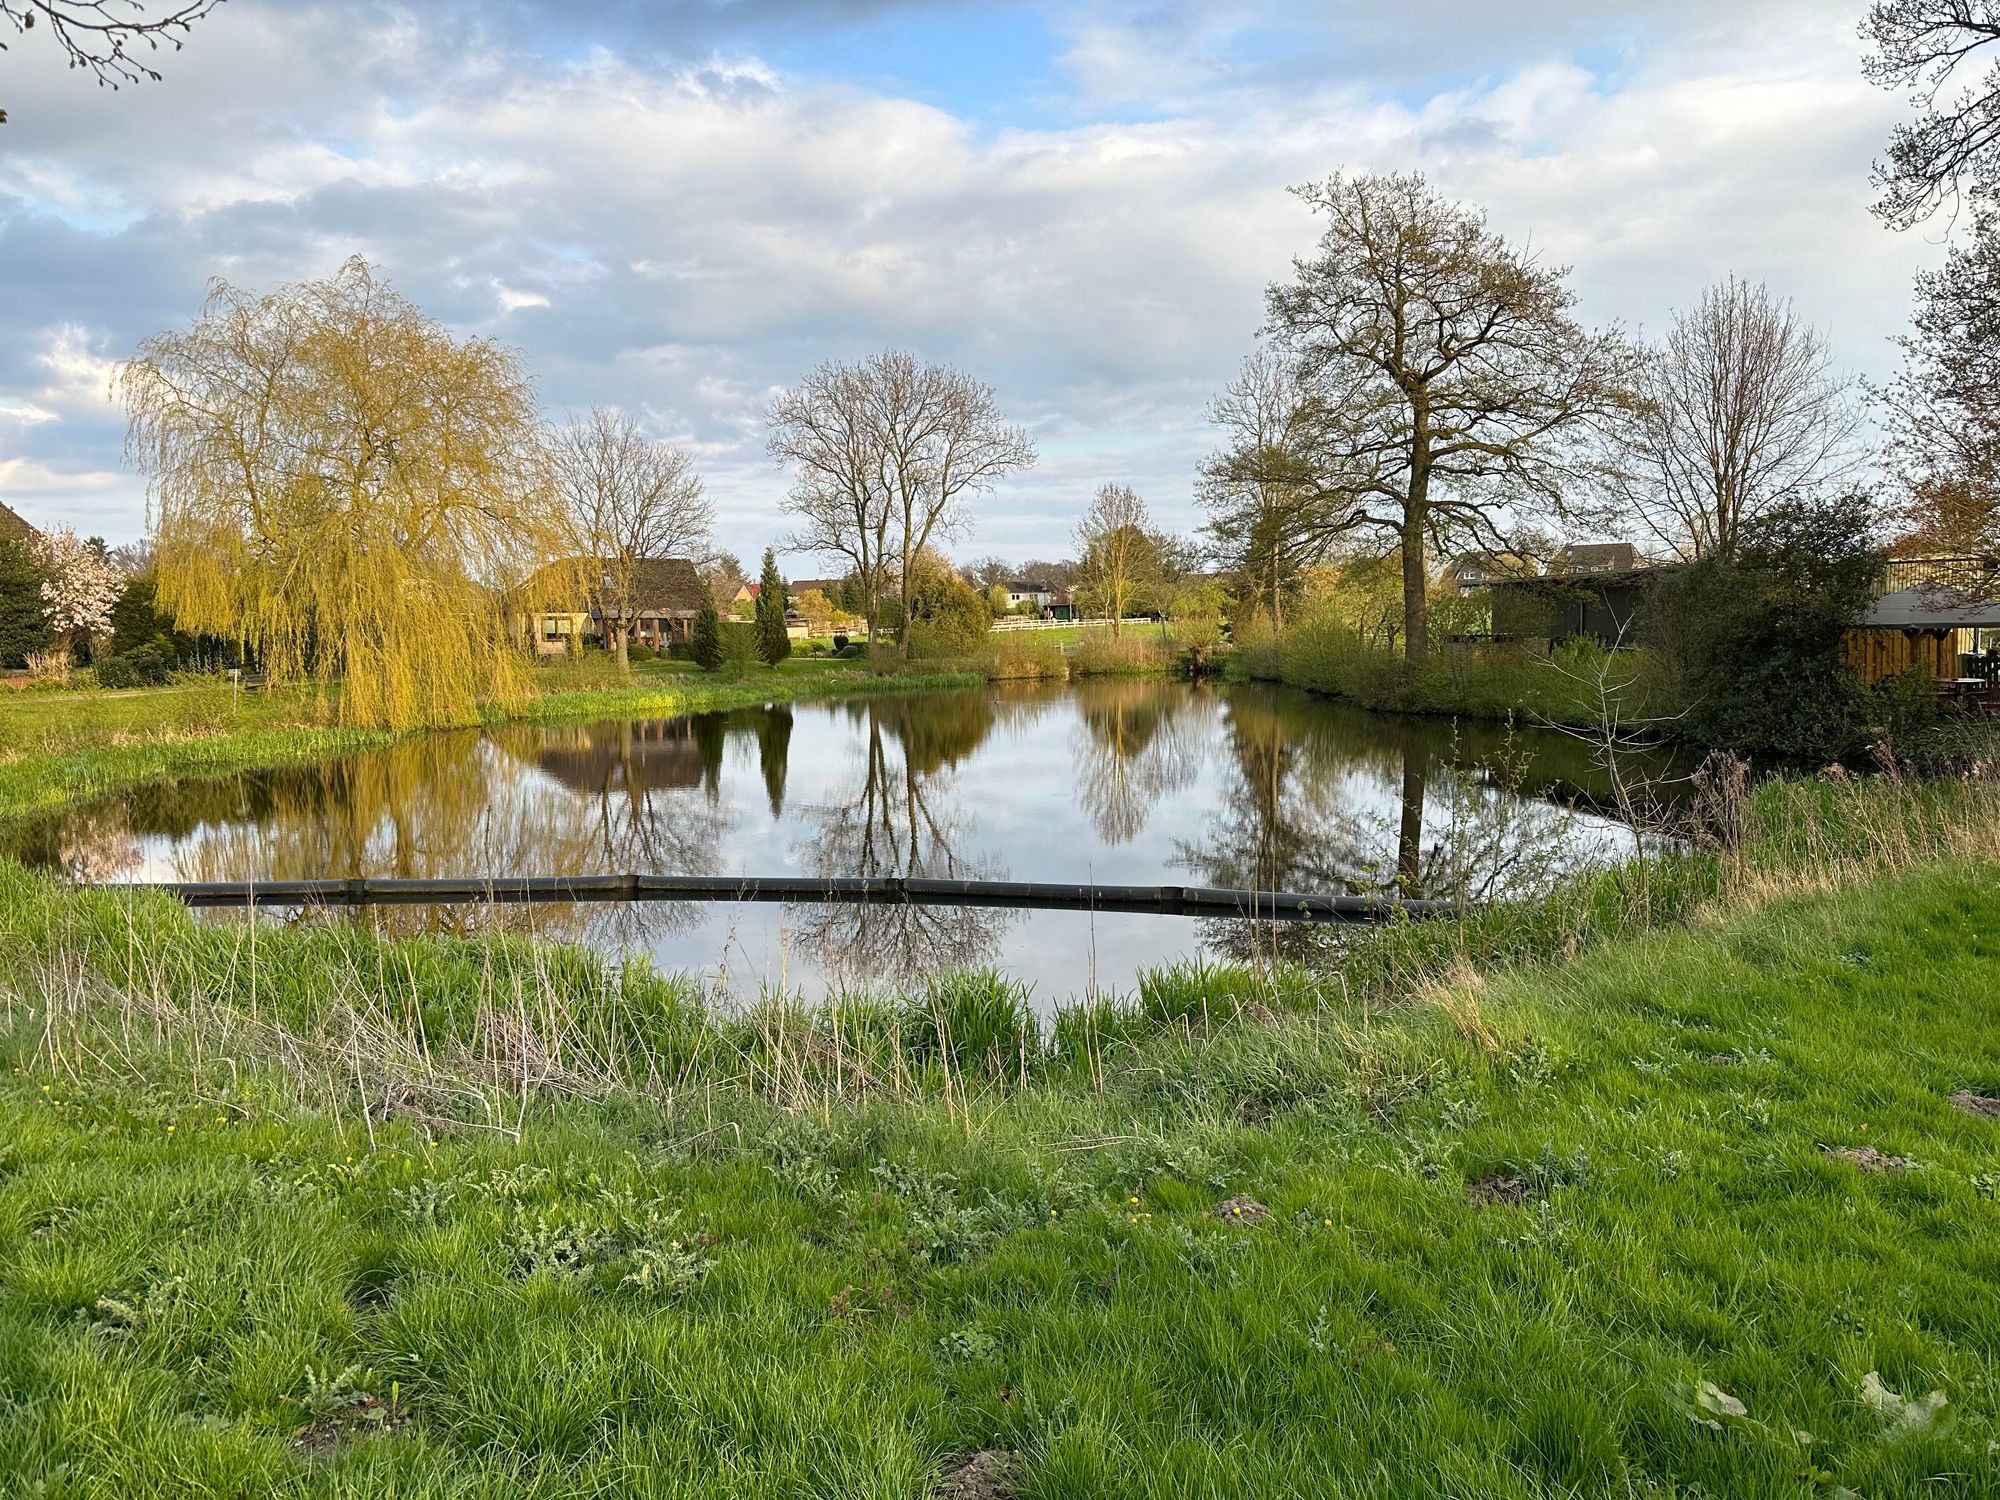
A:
(1104, 624)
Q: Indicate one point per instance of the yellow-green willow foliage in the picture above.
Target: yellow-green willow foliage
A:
(349, 490)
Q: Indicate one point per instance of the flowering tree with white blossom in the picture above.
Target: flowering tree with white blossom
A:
(81, 588)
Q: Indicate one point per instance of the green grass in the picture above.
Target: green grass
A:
(336, 1215)
(1577, 685)
(59, 748)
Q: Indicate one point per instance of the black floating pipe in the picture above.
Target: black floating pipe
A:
(523, 890)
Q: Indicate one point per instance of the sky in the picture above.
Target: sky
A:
(679, 208)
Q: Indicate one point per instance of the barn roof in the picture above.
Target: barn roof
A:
(1932, 606)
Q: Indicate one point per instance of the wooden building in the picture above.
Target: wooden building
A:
(1935, 627)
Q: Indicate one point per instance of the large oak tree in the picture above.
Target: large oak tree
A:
(1443, 381)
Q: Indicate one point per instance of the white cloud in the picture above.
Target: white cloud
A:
(676, 236)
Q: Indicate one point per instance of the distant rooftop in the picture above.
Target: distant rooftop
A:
(1598, 557)
(13, 528)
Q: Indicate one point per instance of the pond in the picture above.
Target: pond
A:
(1141, 782)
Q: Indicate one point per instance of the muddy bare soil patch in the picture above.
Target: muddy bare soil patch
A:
(1240, 1210)
(1980, 1106)
(989, 1474)
(1495, 1187)
(1867, 1158)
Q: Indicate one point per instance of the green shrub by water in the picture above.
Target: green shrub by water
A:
(1574, 684)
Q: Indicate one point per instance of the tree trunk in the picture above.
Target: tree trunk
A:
(1410, 832)
(624, 655)
(1416, 620)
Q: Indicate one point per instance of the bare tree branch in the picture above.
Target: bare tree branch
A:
(99, 35)
(1953, 145)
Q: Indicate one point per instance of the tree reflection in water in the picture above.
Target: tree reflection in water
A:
(902, 820)
(1325, 799)
(1137, 740)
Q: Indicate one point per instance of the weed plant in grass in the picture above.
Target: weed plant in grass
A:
(1688, 1210)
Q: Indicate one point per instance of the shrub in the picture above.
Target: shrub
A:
(840, 642)
(1760, 633)
(1256, 641)
(1907, 703)
(637, 652)
(115, 673)
(1100, 653)
(947, 617)
(739, 643)
(1024, 655)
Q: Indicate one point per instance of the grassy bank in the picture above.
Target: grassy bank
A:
(1579, 684)
(58, 748)
(1551, 1203)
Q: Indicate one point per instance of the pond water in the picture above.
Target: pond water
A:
(1138, 782)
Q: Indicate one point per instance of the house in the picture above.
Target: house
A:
(666, 596)
(1060, 606)
(1034, 595)
(1470, 572)
(1580, 558)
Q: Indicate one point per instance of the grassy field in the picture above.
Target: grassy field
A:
(1657, 1189)
(57, 748)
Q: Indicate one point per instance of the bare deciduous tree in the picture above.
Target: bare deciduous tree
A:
(889, 451)
(1954, 143)
(99, 35)
(1445, 378)
(1120, 552)
(1739, 407)
(626, 500)
(1255, 488)
(826, 427)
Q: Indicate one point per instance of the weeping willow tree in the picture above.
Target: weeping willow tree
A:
(353, 493)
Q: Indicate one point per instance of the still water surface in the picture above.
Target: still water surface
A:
(1120, 782)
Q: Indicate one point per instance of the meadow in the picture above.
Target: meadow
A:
(1681, 1182)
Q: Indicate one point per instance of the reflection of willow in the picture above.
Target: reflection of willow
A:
(88, 844)
(1330, 801)
(900, 822)
(598, 799)
(1137, 742)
